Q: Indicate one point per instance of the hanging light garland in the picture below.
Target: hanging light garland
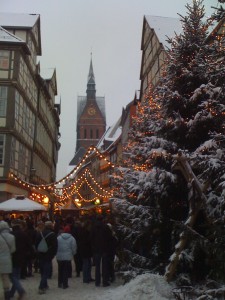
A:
(82, 180)
(52, 186)
(62, 193)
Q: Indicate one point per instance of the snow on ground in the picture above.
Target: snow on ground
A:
(143, 287)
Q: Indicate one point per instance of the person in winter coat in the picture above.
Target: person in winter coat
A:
(18, 258)
(28, 251)
(67, 248)
(76, 229)
(101, 240)
(7, 247)
(39, 228)
(45, 258)
(86, 251)
(31, 235)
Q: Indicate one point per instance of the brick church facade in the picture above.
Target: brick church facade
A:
(91, 119)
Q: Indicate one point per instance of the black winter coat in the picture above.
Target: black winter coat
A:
(51, 242)
(101, 238)
(85, 244)
(24, 247)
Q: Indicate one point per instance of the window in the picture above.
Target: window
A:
(3, 100)
(22, 158)
(85, 133)
(24, 119)
(97, 134)
(4, 60)
(2, 148)
(91, 134)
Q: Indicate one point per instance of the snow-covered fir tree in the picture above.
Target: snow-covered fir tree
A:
(219, 13)
(170, 201)
(143, 186)
(192, 98)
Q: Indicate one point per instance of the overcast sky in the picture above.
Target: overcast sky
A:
(111, 30)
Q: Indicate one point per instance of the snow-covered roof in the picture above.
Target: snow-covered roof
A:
(18, 20)
(77, 157)
(47, 73)
(6, 36)
(164, 27)
(70, 205)
(111, 134)
(115, 130)
(21, 204)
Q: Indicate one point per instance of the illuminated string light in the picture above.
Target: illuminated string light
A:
(77, 181)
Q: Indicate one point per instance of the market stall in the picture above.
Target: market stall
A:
(20, 205)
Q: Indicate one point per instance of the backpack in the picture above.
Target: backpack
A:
(43, 246)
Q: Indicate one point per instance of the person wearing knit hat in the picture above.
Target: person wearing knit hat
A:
(67, 248)
(67, 229)
(7, 247)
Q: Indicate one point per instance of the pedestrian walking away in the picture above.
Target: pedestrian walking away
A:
(18, 258)
(76, 233)
(86, 251)
(7, 247)
(101, 237)
(45, 258)
(67, 248)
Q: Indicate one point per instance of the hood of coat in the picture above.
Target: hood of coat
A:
(65, 235)
(4, 226)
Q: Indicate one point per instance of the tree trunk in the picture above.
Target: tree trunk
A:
(194, 207)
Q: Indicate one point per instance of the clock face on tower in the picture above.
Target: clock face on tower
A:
(91, 111)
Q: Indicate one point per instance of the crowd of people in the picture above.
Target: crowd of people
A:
(26, 248)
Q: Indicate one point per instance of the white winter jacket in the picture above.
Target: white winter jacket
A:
(7, 247)
(67, 247)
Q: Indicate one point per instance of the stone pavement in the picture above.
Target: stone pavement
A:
(77, 289)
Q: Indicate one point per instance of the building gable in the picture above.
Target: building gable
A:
(154, 44)
(19, 24)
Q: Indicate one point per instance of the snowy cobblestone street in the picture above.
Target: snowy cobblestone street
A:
(77, 289)
(143, 287)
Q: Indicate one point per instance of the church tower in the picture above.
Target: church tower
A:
(91, 119)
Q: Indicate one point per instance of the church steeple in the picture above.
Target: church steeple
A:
(91, 120)
(91, 83)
